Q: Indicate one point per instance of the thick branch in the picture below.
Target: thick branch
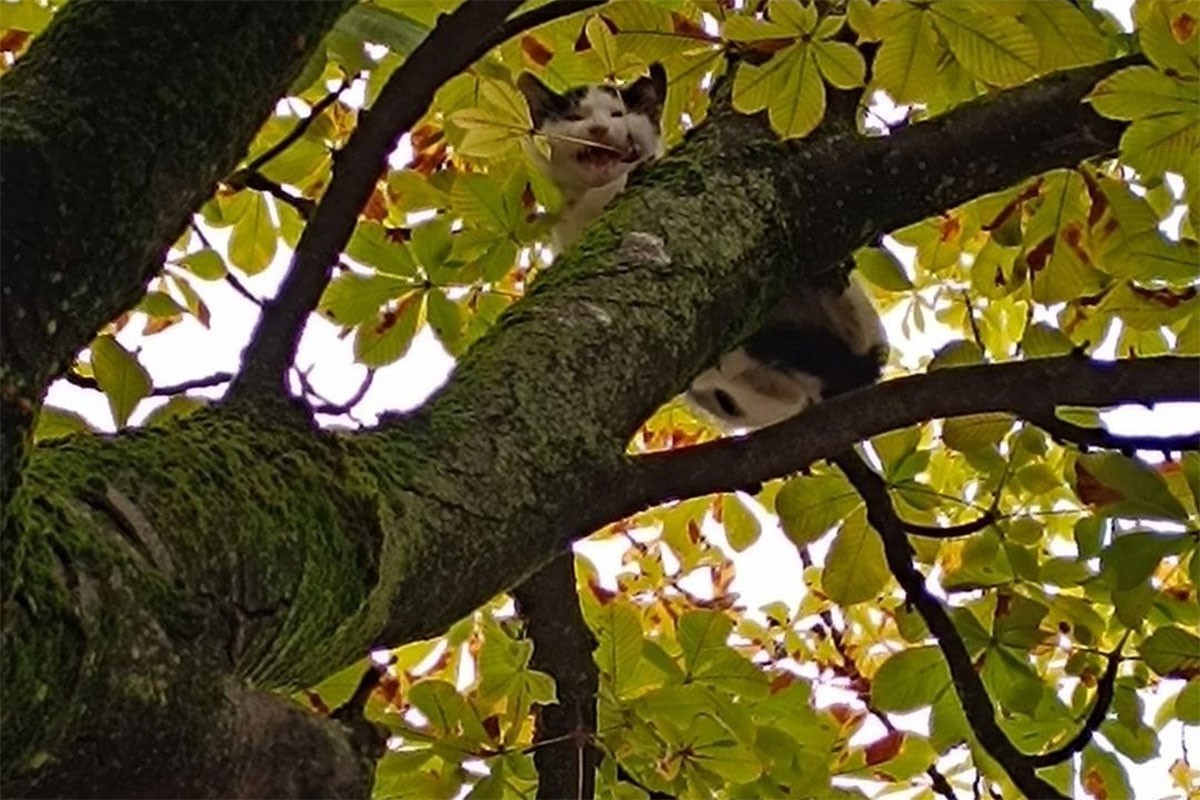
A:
(457, 41)
(972, 694)
(562, 646)
(1022, 388)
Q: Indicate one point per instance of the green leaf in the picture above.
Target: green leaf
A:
(619, 652)
(703, 638)
(1011, 681)
(1140, 92)
(447, 319)
(1127, 487)
(121, 377)
(372, 23)
(810, 505)
(1158, 145)
(1102, 775)
(177, 407)
(55, 423)
(350, 298)
(205, 264)
(1042, 340)
(1133, 557)
(975, 431)
(741, 526)
(1066, 37)
(385, 339)
(907, 61)
(788, 86)
(1149, 256)
(855, 567)
(371, 246)
(958, 353)
(160, 304)
(480, 201)
(910, 679)
(796, 16)
(1061, 266)
(996, 49)
(840, 63)
(253, 240)
(1187, 703)
(882, 268)
(1172, 652)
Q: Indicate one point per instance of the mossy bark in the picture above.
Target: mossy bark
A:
(153, 570)
(114, 127)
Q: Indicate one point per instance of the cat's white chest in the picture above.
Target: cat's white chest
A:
(580, 211)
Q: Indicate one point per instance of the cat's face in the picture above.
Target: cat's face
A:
(625, 121)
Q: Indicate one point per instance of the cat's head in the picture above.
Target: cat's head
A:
(627, 120)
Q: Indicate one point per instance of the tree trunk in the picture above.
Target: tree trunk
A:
(115, 126)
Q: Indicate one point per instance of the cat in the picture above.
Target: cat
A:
(815, 343)
(625, 123)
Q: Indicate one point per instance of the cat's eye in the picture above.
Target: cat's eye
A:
(726, 403)
(573, 117)
(618, 113)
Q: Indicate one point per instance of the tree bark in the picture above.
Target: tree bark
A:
(115, 126)
(145, 573)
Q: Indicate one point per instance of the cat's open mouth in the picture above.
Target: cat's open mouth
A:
(604, 155)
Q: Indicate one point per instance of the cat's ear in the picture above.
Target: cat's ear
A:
(646, 95)
(543, 101)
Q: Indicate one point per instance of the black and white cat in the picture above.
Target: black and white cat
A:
(625, 123)
(816, 343)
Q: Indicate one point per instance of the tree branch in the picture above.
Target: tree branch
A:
(950, 531)
(1023, 388)
(972, 694)
(318, 108)
(216, 379)
(562, 647)
(1095, 718)
(1065, 431)
(456, 42)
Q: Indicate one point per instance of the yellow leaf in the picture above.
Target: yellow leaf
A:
(996, 49)
(1066, 37)
(841, 64)
(906, 64)
(603, 42)
(253, 240)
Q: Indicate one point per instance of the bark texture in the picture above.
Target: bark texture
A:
(115, 127)
(144, 574)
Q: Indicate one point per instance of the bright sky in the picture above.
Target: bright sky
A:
(768, 571)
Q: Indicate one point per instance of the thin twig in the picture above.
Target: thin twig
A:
(237, 285)
(1105, 690)
(327, 407)
(318, 108)
(243, 179)
(1065, 431)
(216, 379)
(951, 531)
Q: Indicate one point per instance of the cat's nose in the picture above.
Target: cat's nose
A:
(596, 131)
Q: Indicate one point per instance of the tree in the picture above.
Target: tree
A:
(974, 536)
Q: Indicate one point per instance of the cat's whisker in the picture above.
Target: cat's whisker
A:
(562, 137)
